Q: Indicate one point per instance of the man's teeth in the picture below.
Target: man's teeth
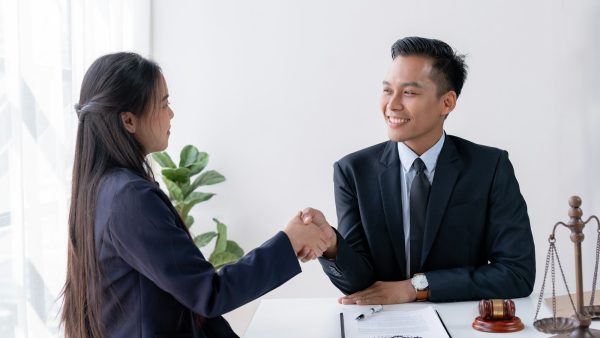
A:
(398, 119)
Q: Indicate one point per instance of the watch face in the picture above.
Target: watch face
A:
(420, 282)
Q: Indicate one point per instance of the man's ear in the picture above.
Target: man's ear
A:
(448, 103)
(129, 121)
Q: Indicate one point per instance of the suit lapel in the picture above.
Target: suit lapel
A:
(390, 187)
(447, 170)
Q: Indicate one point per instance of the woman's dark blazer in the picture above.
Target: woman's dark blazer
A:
(155, 281)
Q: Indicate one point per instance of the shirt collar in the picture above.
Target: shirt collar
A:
(407, 156)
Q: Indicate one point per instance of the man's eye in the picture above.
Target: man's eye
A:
(409, 93)
(387, 90)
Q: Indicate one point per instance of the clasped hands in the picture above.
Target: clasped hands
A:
(310, 234)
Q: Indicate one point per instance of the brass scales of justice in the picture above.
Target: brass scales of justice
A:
(577, 326)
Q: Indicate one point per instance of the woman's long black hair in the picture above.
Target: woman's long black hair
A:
(114, 83)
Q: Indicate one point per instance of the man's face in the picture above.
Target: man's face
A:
(411, 107)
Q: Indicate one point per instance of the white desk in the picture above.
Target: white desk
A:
(319, 318)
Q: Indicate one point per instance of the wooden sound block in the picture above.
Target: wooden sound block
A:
(499, 326)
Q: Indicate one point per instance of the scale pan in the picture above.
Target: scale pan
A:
(592, 311)
(563, 324)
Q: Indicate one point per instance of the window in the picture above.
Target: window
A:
(45, 48)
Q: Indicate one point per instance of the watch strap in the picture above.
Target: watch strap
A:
(422, 295)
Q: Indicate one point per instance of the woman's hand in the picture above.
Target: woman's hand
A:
(309, 237)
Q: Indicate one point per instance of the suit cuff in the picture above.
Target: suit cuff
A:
(334, 266)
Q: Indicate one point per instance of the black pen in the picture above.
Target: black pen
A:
(441, 321)
(372, 311)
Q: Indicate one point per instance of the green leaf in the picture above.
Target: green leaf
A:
(185, 189)
(184, 209)
(164, 160)
(181, 175)
(189, 220)
(188, 156)
(203, 239)
(197, 197)
(174, 191)
(192, 199)
(221, 244)
(199, 164)
(234, 248)
(207, 178)
(221, 259)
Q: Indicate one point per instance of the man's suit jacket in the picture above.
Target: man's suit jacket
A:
(477, 241)
(155, 281)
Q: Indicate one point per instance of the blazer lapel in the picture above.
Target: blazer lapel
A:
(447, 170)
(390, 187)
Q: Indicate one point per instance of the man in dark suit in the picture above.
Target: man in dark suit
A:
(427, 216)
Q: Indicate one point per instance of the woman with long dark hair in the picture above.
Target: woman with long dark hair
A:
(133, 269)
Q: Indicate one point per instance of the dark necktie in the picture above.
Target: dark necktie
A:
(419, 193)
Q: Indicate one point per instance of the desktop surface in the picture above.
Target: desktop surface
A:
(320, 318)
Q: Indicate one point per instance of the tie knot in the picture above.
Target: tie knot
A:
(419, 165)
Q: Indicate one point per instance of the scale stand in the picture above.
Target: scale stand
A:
(577, 326)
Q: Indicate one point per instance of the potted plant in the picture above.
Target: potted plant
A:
(182, 185)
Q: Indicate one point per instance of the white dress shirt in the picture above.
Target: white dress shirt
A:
(407, 157)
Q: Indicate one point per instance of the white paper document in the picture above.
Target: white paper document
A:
(422, 323)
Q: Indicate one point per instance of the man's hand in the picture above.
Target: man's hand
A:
(383, 293)
(314, 216)
(306, 236)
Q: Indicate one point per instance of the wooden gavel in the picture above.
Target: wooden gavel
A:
(496, 309)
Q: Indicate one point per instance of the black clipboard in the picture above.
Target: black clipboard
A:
(441, 321)
(342, 325)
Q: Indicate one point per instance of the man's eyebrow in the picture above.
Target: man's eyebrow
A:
(405, 84)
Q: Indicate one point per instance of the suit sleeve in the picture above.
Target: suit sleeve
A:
(509, 248)
(145, 233)
(351, 270)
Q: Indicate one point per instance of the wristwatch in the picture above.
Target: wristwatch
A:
(419, 282)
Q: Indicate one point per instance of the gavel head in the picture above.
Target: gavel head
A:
(496, 309)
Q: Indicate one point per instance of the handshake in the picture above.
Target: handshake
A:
(311, 236)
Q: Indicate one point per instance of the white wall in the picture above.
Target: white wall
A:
(276, 91)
